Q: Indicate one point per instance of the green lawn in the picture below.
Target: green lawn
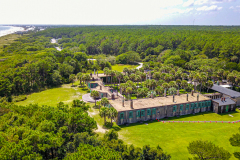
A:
(175, 137)
(119, 67)
(53, 96)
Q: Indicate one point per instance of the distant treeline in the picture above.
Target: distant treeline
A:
(32, 62)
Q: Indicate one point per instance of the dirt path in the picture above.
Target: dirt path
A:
(99, 128)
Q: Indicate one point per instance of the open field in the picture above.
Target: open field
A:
(53, 96)
(175, 137)
(119, 67)
(8, 39)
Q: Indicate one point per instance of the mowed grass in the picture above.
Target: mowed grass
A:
(120, 67)
(175, 137)
(52, 97)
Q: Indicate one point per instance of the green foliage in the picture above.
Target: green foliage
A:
(128, 58)
(42, 132)
(235, 141)
(207, 150)
(86, 151)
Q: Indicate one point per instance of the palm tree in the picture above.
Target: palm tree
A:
(184, 76)
(125, 70)
(103, 113)
(104, 102)
(112, 114)
(172, 84)
(137, 79)
(71, 78)
(132, 77)
(209, 85)
(202, 80)
(125, 78)
(143, 76)
(153, 83)
(129, 91)
(112, 74)
(95, 95)
(105, 70)
(184, 84)
(220, 73)
(87, 78)
(123, 87)
(178, 82)
(80, 77)
(159, 90)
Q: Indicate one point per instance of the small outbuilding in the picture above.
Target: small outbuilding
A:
(223, 105)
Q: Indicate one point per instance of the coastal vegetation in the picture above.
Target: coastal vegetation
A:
(40, 118)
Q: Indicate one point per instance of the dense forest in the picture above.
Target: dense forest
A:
(32, 63)
(172, 55)
(62, 132)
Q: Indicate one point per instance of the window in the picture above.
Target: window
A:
(181, 107)
(209, 103)
(187, 106)
(138, 113)
(154, 111)
(227, 108)
(130, 114)
(149, 112)
(196, 106)
(200, 105)
(142, 113)
(192, 105)
(174, 108)
(122, 115)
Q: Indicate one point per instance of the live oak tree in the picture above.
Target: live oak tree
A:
(202, 150)
(235, 141)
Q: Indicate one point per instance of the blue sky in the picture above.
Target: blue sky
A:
(118, 12)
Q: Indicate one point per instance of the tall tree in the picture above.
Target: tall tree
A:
(112, 114)
(103, 113)
(207, 150)
(95, 95)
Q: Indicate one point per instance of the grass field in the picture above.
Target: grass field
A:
(175, 137)
(5, 40)
(53, 96)
(119, 67)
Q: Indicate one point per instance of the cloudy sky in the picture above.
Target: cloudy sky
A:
(115, 12)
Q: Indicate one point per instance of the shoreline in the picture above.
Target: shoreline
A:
(11, 30)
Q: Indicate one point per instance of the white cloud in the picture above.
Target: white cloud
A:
(231, 7)
(204, 2)
(209, 8)
(188, 3)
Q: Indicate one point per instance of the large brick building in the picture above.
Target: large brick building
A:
(159, 107)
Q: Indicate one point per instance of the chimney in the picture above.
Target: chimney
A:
(192, 93)
(224, 98)
(113, 96)
(198, 97)
(131, 104)
(100, 87)
(178, 92)
(123, 102)
(187, 96)
(173, 98)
